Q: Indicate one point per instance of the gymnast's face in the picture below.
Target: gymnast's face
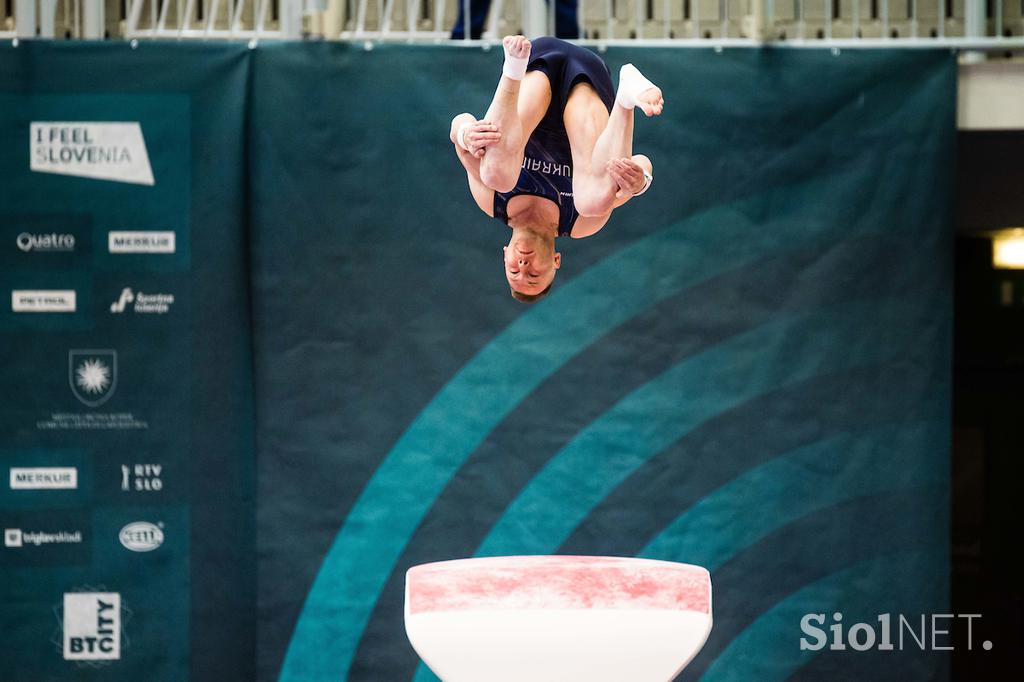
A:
(530, 263)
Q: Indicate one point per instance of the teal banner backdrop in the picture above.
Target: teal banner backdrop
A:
(747, 368)
(126, 435)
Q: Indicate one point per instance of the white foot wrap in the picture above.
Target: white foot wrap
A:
(631, 84)
(515, 67)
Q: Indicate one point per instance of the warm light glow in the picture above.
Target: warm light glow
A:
(1008, 249)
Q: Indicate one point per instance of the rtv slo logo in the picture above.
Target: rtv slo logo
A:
(141, 478)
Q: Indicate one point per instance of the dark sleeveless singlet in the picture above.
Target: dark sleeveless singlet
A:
(547, 162)
(546, 172)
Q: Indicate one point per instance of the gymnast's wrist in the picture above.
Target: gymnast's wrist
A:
(648, 179)
(460, 135)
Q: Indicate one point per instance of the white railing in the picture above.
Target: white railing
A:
(51, 19)
(698, 20)
(976, 24)
(864, 23)
(213, 19)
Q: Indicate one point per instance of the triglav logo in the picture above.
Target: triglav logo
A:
(91, 627)
(43, 301)
(45, 242)
(93, 375)
(16, 537)
(158, 304)
(104, 151)
(141, 478)
(44, 478)
(142, 536)
(141, 242)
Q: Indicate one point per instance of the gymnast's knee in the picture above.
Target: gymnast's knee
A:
(594, 202)
(499, 177)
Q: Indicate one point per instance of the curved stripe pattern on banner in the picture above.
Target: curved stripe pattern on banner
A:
(822, 543)
(805, 550)
(650, 419)
(630, 356)
(778, 422)
(444, 434)
(588, 469)
(743, 659)
(797, 484)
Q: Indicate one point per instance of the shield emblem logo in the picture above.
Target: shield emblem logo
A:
(93, 375)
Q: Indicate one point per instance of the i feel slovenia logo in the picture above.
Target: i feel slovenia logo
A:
(92, 375)
(102, 150)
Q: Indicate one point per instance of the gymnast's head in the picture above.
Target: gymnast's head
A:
(530, 262)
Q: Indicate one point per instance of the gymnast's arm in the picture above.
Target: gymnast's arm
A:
(483, 194)
(585, 227)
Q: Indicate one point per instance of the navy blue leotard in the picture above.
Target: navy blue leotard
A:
(546, 172)
(547, 162)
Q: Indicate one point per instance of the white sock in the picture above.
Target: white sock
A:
(515, 67)
(631, 84)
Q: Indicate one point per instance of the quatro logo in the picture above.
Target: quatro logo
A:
(93, 375)
(28, 241)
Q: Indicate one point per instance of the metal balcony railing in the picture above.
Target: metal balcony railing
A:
(967, 24)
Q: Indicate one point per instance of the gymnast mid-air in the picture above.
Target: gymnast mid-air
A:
(553, 156)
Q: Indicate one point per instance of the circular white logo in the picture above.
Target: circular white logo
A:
(142, 536)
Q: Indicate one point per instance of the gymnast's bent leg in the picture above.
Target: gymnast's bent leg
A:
(597, 137)
(518, 106)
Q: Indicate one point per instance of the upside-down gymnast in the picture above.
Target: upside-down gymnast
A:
(553, 155)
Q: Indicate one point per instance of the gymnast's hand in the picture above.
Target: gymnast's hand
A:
(628, 174)
(482, 134)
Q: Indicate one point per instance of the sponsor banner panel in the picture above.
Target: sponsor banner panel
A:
(91, 626)
(44, 300)
(126, 411)
(50, 478)
(145, 533)
(45, 241)
(39, 478)
(45, 538)
(715, 378)
(90, 149)
(132, 302)
(59, 299)
(135, 380)
(129, 176)
(68, 618)
(141, 241)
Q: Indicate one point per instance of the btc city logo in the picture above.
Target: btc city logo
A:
(91, 627)
(92, 375)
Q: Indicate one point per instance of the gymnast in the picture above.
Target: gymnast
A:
(553, 155)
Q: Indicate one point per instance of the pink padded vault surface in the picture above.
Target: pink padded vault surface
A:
(557, 582)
